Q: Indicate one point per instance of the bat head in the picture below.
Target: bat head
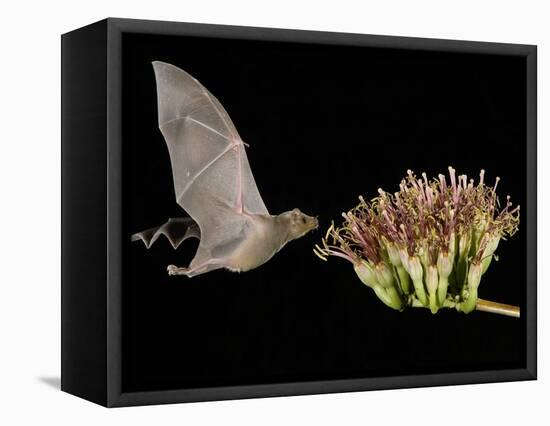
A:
(299, 223)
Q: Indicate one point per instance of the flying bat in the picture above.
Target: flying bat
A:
(214, 184)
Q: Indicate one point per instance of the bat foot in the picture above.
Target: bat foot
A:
(175, 270)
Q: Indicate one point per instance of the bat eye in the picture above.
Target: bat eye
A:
(303, 219)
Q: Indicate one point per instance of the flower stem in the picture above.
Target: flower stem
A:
(481, 305)
(497, 308)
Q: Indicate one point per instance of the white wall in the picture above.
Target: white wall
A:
(30, 199)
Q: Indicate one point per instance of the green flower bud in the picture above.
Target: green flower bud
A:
(431, 279)
(423, 254)
(444, 268)
(393, 253)
(384, 275)
(474, 276)
(366, 274)
(444, 264)
(414, 268)
(431, 283)
(479, 230)
(491, 245)
(404, 256)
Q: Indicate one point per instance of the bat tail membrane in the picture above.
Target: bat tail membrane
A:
(176, 230)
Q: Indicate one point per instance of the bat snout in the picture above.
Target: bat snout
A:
(298, 223)
(314, 222)
(310, 223)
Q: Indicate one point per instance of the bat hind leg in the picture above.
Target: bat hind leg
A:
(176, 270)
(207, 266)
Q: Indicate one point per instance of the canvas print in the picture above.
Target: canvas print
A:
(288, 205)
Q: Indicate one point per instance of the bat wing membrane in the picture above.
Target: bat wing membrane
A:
(213, 181)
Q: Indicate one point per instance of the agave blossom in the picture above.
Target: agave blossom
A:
(438, 236)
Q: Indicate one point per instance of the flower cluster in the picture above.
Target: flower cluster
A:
(426, 245)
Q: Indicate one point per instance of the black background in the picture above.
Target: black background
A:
(325, 123)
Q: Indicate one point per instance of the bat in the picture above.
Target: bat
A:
(214, 184)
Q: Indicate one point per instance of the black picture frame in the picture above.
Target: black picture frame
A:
(92, 191)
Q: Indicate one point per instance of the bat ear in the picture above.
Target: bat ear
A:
(296, 211)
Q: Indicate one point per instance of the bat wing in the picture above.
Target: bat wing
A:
(213, 182)
(176, 230)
